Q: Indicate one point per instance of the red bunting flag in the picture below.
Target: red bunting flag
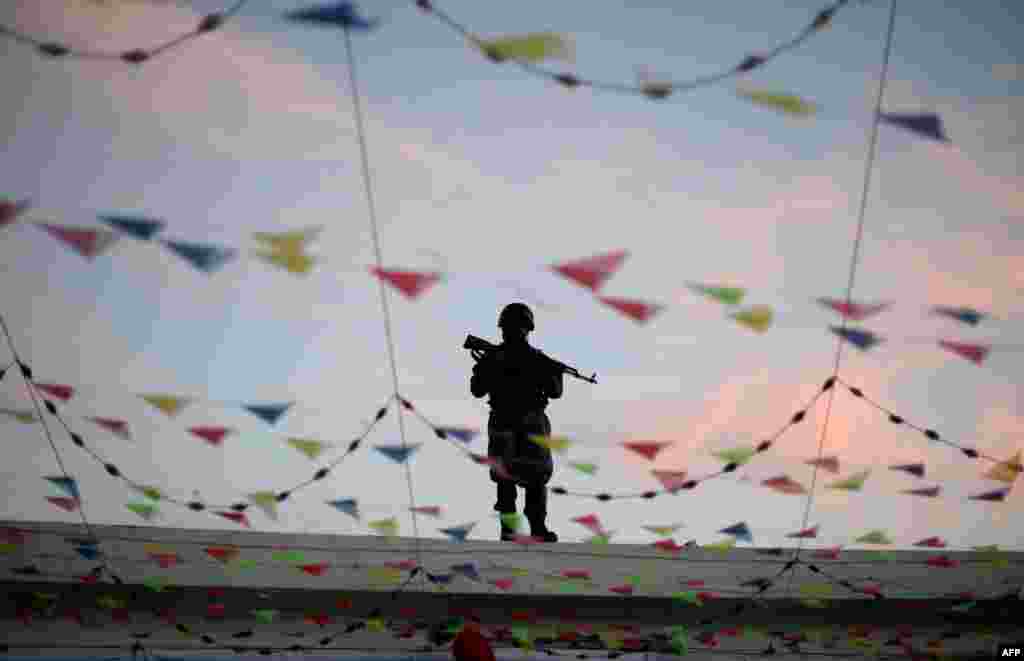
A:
(410, 283)
(828, 554)
(783, 484)
(66, 504)
(320, 619)
(647, 449)
(625, 588)
(215, 610)
(62, 393)
(591, 522)
(576, 573)
(317, 569)
(237, 517)
(943, 561)
(165, 560)
(224, 555)
(667, 545)
(10, 210)
(212, 435)
(592, 271)
(671, 480)
(87, 242)
(853, 311)
(807, 533)
(428, 510)
(503, 583)
(637, 310)
(118, 427)
(831, 464)
(932, 543)
(975, 353)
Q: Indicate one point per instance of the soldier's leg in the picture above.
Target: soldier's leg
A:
(506, 503)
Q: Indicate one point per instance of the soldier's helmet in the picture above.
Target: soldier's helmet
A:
(517, 315)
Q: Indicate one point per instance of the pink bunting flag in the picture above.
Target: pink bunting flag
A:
(62, 393)
(807, 533)
(647, 449)
(783, 484)
(212, 435)
(943, 561)
(927, 492)
(853, 311)
(591, 522)
(671, 480)
(410, 283)
(625, 588)
(237, 517)
(932, 543)
(428, 510)
(87, 242)
(63, 502)
(831, 464)
(592, 271)
(117, 427)
(576, 573)
(636, 310)
(828, 554)
(975, 353)
(503, 583)
(667, 545)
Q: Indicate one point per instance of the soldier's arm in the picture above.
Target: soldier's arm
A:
(480, 382)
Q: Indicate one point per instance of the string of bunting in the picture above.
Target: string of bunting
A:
(135, 56)
(527, 50)
(266, 500)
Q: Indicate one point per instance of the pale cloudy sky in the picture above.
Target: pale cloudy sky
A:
(251, 129)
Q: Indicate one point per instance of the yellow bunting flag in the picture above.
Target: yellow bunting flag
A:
(309, 447)
(386, 527)
(288, 242)
(787, 103)
(149, 492)
(298, 263)
(530, 47)
(874, 537)
(738, 456)
(1006, 471)
(721, 547)
(852, 483)
(266, 501)
(816, 590)
(663, 531)
(553, 443)
(169, 404)
(757, 318)
(385, 575)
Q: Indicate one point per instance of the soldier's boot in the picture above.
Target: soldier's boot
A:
(539, 530)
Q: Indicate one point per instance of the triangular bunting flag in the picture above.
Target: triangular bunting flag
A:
(468, 570)
(204, 257)
(116, 427)
(165, 560)
(927, 492)
(530, 47)
(212, 435)
(222, 554)
(853, 311)
(386, 527)
(347, 505)
(964, 315)
(10, 210)
(852, 483)
(646, 449)
(317, 569)
(739, 531)
(722, 294)
(720, 547)
(783, 102)
(925, 125)
(410, 283)
(637, 310)
(917, 470)
(156, 583)
(464, 434)
(831, 553)
(553, 443)
(307, 446)
(757, 318)
(397, 453)
(807, 533)
(265, 615)
(592, 272)
(668, 545)
(88, 552)
(783, 484)
(66, 504)
(591, 522)
(62, 393)
(688, 597)
(269, 413)
(266, 501)
(831, 464)
(584, 467)
(503, 583)
(932, 543)
(624, 589)
(289, 242)
(145, 510)
(170, 405)
(997, 495)
(1006, 471)
(975, 353)
(874, 537)
(237, 517)
(862, 339)
(739, 455)
(427, 510)
(459, 533)
(298, 263)
(149, 492)
(288, 556)
(943, 561)
(671, 480)
(339, 13)
(88, 242)
(65, 484)
(136, 226)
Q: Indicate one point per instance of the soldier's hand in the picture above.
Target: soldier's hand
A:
(477, 355)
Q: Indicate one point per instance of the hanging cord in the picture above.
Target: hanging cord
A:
(368, 187)
(869, 166)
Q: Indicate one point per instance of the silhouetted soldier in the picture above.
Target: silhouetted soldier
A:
(520, 380)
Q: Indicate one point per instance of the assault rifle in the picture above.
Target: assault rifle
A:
(474, 343)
